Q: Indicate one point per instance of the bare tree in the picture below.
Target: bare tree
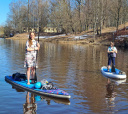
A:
(68, 15)
(78, 5)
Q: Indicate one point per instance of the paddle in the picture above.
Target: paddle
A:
(35, 78)
(113, 68)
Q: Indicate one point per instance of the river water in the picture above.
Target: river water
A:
(72, 68)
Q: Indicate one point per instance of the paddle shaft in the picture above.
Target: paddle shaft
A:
(36, 58)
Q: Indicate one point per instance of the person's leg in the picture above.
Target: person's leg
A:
(32, 98)
(33, 72)
(109, 63)
(28, 75)
(27, 98)
(113, 61)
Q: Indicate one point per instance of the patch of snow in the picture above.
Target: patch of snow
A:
(81, 37)
(50, 36)
(121, 37)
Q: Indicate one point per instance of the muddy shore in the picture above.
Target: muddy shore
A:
(108, 35)
(70, 39)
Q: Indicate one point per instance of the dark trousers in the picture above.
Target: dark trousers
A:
(111, 59)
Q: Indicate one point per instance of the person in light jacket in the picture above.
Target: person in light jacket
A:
(112, 51)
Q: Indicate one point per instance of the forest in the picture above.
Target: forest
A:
(69, 16)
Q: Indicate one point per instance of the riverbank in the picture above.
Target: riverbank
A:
(86, 37)
(82, 38)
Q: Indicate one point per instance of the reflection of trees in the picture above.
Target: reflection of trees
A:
(57, 57)
(114, 88)
(16, 53)
(73, 66)
(78, 66)
(121, 60)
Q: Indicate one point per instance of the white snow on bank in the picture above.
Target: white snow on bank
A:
(50, 36)
(81, 37)
(75, 37)
(121, 37)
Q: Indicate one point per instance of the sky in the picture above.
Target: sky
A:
(4, 10)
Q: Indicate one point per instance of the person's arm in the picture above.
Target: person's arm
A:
(38, 45)
(32, 49)
(29, 48)
(109, 50)
(115, 50)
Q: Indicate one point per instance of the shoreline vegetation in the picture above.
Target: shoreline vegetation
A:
(81, 21)
(87, 37)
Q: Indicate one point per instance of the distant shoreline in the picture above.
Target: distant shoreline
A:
(86, 37)
(65, 39)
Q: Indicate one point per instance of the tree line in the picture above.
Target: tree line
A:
(71, 16)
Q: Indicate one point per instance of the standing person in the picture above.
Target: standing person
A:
(112, 51)
(30, 57)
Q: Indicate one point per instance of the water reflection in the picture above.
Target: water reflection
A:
(111, 93)
(32, 98)
(17, 89)
(30, 106)
(73, 68)
(56, 100)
